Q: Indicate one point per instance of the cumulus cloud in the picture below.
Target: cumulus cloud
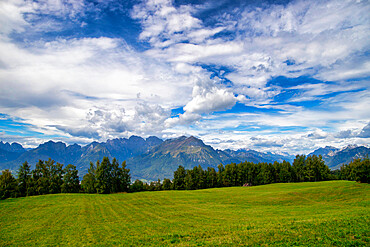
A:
(345, 134)
(258, 142)
(89, 133)
(365, 132)
(53, 84)
(183, 119)
(164, 24)
(96, 88)
(319, 38)
(212, 100)
(207, 97)
(11, 16)
(317, 134)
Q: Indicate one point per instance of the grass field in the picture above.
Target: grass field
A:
(335, 213)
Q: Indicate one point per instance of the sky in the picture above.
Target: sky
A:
(279, 76)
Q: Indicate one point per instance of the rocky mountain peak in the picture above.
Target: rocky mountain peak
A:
(53, 145)
(193, 141)
(14, 147)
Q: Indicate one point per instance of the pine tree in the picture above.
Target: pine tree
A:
(24, 179)
(55, 176)
(299, 168)
(115, 177)
(179, 178)
(167, 184)
(71, 182)
(211, 177)
(8, 185)
(88, 182)
(40, 177)
(104, 177)
(137, 186)
(220, 175)
(124, 178)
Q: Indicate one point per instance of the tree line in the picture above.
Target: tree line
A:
(106, 177)
(48, 177)
(357, 170)
(303, 169)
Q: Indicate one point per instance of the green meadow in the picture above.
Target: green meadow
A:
(334, 213)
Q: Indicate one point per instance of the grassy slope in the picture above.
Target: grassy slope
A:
(322, 213)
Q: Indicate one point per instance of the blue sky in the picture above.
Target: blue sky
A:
(279, 76)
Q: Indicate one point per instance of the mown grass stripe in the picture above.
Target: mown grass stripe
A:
(301, 214)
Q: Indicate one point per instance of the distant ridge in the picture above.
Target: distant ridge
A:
(80, 156)
(165, 158)
(255, 156)
(154, 158)
(13, 148)
(10, 152)
(335, 157)
(324, 151)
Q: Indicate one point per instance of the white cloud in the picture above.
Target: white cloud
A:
(183, 119)
(205, 100)
(162, 21)
(208, 101)
(11, 16)
(318, 134)
(318, 37)
(307, 91)
(76, 74)
(365, 132)
(54, 85)
(63, 8)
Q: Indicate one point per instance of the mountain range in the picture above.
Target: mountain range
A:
(154, 158)
(335, 157)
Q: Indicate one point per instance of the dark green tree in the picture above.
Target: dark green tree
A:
(252, 171)
(137, 186)
(179, 178)
(158, 185)
(124, 178)
(167, 184)
(41, 178)
(8, 185)
(362, 172)
(241, 173)
(190, 184)
(230, 175)
(104, 177)
(71, 182)
(115, 177)
(88, 182)
(220, 175)
(55, 176)
(107, 177)
(211, 177)
(299, 168)
(266, 175)
(316, 170)
(202, 183)
(323, 170)
(24, 179)
(285, 172)
(195, 175)
(357, 170)
(151, 186)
